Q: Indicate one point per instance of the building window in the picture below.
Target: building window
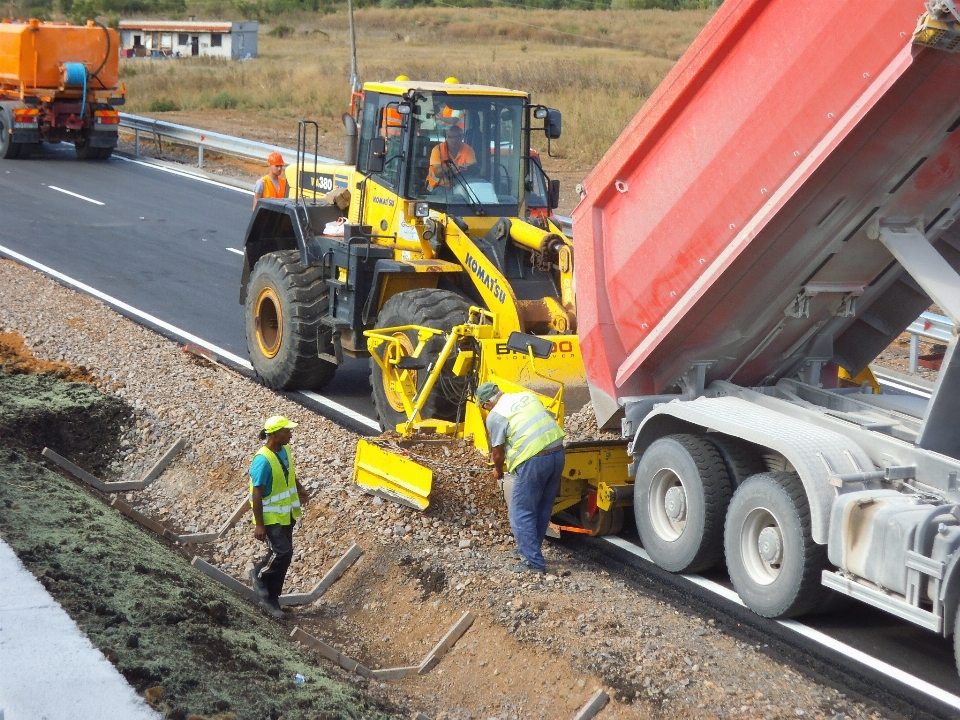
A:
(216, 40)
(182, 39)
(138, 41)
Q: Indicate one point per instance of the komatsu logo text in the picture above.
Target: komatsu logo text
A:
(383, 201)
(493, 285)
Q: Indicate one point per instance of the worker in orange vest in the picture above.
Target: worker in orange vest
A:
(273, 184)
(449, 158)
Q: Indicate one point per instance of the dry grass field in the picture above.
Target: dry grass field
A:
(597, 67)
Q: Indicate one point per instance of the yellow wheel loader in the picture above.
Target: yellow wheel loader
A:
(411, 231)
(596, 481)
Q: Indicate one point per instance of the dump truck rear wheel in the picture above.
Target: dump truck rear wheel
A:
(774, 564)
(285, 302)
(739, 457)
(86, 152)
(680, 500)
(428, 307)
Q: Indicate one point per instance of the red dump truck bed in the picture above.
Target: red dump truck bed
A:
(732, 226)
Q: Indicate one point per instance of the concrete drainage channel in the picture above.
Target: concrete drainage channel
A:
(590, 709)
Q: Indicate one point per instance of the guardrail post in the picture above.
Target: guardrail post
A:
(914, 351)
(136, 142)
(200, 156)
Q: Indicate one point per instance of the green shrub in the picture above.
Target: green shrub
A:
(163, 105)
(281, 31)
(224, 101)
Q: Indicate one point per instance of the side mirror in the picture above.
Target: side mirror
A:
(524, 343)
(378, 152)
(553, 194)
(552, 124)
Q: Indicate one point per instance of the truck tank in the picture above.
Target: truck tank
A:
(753, 222)
(33, 54)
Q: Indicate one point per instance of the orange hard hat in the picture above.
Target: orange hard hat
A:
(275, 158)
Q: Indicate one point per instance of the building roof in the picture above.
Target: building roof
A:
(176, 26)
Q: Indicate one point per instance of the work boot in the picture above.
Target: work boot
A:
(525, 567)
(515, 554)
(258, 585)
(272, 608)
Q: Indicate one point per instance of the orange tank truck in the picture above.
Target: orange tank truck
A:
(59, 83)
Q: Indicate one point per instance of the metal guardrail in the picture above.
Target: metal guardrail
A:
(203, 139)
(928, 325)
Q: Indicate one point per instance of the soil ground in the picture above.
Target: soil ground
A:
(189, 645)
(540, 644)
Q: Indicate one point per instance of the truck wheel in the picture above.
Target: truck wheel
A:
(285, 302)
(774, 564)
(740, 459)
(439, 309)
(9, 150)
(680, 499)
(86, 152)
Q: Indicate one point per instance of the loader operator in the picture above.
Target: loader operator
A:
(276, 496)
(525, 439)
(449, 158)
(273, 184)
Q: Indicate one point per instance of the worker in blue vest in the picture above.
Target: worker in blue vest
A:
(526, 441)
(276, 497)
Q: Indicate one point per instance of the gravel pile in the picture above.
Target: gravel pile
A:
(540, 645)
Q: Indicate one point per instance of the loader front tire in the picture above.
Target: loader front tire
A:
(680, 501)
(426, 307)
(774, 564)
(285, 303)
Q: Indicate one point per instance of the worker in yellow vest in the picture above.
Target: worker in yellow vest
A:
(526, 441)
(273, 184)
(276, 497)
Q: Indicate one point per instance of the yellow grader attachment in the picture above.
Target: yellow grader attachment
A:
(596, 482)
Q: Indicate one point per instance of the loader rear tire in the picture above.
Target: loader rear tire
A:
(680, 501)
(427, 307)
(774, 564)
(285, 302)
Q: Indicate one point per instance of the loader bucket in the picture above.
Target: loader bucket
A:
(393, 477)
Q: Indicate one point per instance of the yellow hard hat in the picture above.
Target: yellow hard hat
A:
(277, 422)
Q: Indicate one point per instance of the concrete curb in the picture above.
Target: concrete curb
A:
(595, 704)
(329, 652)
(446, 642)
(123, 485)
(333, 574)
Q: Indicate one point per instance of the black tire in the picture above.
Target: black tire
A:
(739, 457)
(9, 150)
(427, 307)
(680, 501)
(285, 302)
(603, 522)
(86, 152)
(774, 564)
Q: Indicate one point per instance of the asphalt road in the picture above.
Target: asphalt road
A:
(167, 244)
(164, 248)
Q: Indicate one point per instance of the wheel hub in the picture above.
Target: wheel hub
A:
(392, 386)
(770, 546)
(675, 503)
(269, 322)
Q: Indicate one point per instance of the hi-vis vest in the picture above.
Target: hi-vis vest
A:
(532, 428)
(464, 157)
(270, 190)
(283, 500)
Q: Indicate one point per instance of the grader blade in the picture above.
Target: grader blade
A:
(391, 476)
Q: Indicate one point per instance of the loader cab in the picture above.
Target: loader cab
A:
(400, 131)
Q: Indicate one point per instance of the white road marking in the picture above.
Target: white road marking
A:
(181, 173)
(912, 389)
(182, 334)
(67, 192)
(234, 250)
(811, 634)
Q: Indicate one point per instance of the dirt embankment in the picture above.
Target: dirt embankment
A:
(189, 645)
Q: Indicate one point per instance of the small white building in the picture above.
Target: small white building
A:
(186, 38)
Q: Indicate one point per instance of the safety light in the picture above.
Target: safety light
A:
(540, 112)
(418, 209)
(25, 117)
(107, 117)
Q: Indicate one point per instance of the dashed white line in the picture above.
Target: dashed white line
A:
(182, 334)
(234, 250)
(76, 195)
(808, 632)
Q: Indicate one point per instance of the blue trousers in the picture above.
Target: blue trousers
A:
(531, 503)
